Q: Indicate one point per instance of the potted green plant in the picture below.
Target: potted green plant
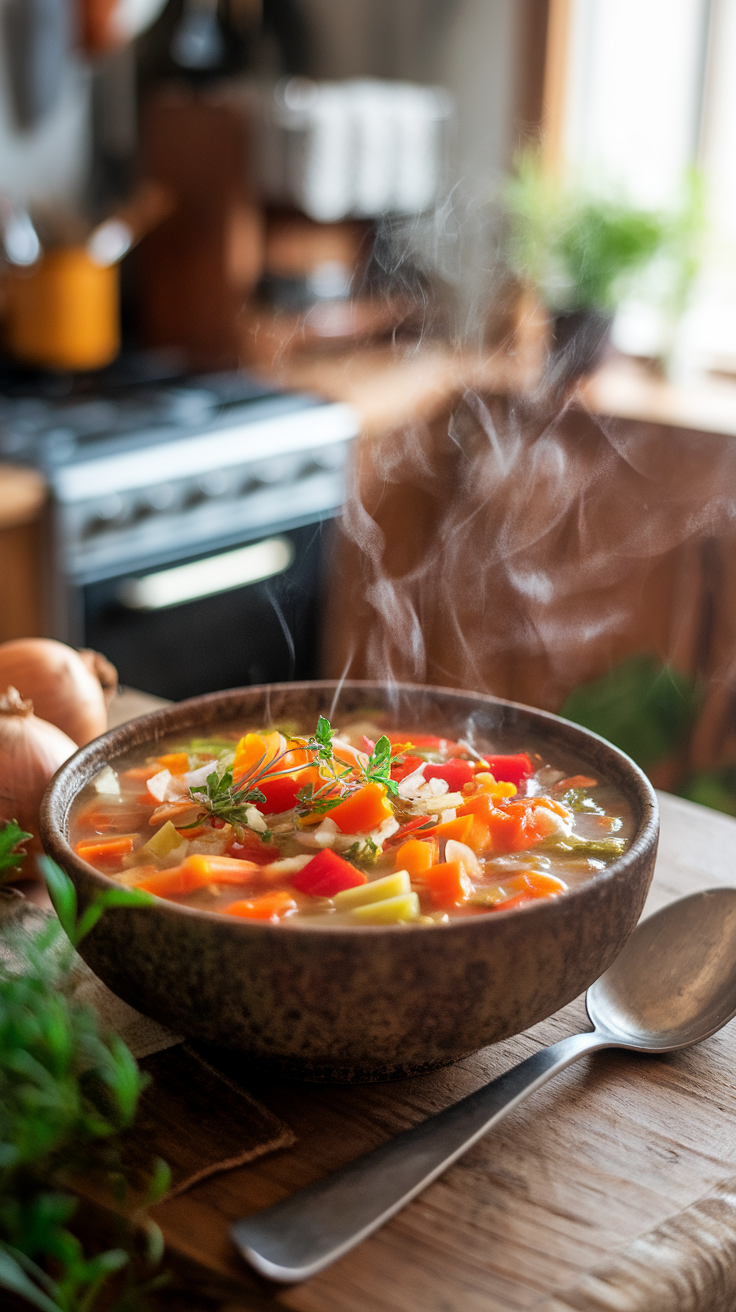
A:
(581, 251)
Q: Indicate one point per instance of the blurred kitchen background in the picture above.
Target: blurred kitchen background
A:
(380, 338)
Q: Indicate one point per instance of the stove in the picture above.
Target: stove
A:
(188, 520)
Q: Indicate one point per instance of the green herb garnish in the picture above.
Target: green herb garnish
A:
(11, 860)
(579, 800)
(364, 852)
(378, 769)
(222, 801)
(585, 846)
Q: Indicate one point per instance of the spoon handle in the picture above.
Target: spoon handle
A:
(301, 1235)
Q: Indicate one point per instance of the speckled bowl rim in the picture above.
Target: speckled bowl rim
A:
(89, 759)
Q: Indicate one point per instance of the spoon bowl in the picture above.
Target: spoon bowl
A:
(674, 983)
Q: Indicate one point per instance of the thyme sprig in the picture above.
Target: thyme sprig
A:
(220, 799)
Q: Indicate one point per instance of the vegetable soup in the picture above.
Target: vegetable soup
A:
(349, 827)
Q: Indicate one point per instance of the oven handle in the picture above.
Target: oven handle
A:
(206, 578)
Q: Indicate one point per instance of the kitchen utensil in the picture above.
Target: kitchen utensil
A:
(111, 240)
(37, 39)
(20, 243)
(63, 313)
(360, 148)
(673, 985)
(198, 42)
(409, 999)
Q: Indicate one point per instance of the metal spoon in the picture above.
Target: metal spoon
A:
(673, 985)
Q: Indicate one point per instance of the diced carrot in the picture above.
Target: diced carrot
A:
(295, 759)
(174, 762)
(511, 903)
(312, 776)
(112, 819)
(499, 825)
(514, 826)
(448, 884)
(577, 781)
(137, 874)
(483, 782)
(105, 849)
(548, 804)
(271, 906)
(528, 886)
(365, 810)
(255, 747)
(140, 772)
(479, 838)
(459, 828)
(174, 882)
(416, 856)
(220, 869)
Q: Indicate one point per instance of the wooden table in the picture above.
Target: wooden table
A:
(613, 1188)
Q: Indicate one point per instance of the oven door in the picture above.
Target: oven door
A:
(230, 617)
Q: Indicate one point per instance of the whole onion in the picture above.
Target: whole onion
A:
(31, 751)
(65, 686)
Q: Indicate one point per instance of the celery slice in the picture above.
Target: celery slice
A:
(378, 891)
(164, 841)
(389, 912)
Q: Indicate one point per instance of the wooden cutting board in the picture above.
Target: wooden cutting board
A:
(612, 1190)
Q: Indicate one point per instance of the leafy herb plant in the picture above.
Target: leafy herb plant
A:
(66, 1091)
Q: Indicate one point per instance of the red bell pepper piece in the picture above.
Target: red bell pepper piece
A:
(280, 795)
(454, 772)
(408, 765)
(419, 822)
(510, 769)
(252, 848)
(327, 874)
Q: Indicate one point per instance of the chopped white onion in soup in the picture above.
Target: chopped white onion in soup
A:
(106, 782)
(409, 787)
(197, 778)
(455, 851)
(287, 865)
(255, 820)
(166, 787)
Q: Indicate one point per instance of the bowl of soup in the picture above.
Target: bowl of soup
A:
(351, 881)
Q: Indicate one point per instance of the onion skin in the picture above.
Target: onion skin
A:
(103, 669)
(64, 690)
(31, 751)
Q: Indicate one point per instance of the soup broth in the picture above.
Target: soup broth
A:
(356, 827)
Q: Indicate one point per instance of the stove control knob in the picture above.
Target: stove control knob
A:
(214, 484)
(107, 514)
(159, 498)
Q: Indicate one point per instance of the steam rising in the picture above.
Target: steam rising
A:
(520, 550)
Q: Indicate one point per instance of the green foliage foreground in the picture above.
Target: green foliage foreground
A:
(67, 1090)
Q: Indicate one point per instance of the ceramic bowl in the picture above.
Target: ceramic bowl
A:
(361, 1003)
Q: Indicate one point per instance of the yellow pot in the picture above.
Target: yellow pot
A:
(64, 313)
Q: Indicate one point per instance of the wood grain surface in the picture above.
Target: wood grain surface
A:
(612, 1188)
